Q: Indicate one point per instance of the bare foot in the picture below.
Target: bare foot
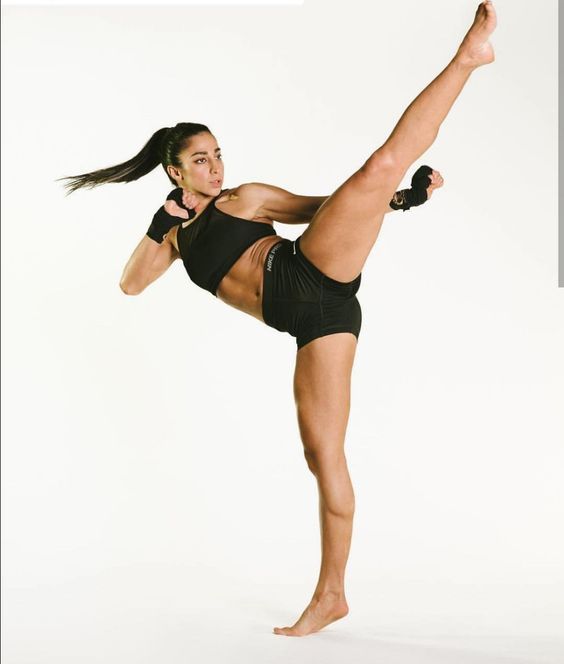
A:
(475, 49)
(320, 612)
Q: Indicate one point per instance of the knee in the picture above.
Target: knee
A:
(321, 461)
(334, 484)
(383, 164)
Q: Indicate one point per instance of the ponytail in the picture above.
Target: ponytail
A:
(163, 148)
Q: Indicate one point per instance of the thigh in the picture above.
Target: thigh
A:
(342, 233)
(322, 392)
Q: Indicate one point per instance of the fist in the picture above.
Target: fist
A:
(175, 210)
(179, 201)
(189, 199)
(436, 182)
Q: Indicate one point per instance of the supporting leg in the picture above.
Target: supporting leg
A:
(322, 394)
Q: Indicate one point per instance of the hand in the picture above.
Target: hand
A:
(171, 214)
(436, 183)
(189, 199)
(179, 201)
(175, 210)
(424, 181)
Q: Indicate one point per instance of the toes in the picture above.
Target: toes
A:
(284, 631)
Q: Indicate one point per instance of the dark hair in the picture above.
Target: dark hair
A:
(163, 147)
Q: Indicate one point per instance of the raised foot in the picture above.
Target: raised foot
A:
(475, 49)
(318, 614)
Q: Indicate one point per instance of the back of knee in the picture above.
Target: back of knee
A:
(311, 460)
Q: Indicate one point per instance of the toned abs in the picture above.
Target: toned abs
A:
(241, 287)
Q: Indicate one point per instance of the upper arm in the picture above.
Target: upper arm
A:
(140, 270)
(280, 205)
(166, 255)
(164, 258)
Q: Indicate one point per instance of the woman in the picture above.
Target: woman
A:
(307, 287)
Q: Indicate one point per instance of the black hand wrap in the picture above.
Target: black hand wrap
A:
(163, 221)
(417, 195)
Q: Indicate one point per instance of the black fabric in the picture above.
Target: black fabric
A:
(422, 178)
(163, 221)
(299, 299)
(417, 195)
(176, 196)
(161, 224)
(211, 244)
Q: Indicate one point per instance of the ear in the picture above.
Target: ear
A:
(174, 173)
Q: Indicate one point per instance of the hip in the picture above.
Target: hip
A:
(299, 299)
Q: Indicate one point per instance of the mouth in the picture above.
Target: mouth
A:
(216, 183)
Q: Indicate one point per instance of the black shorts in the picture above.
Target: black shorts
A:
(298, 298)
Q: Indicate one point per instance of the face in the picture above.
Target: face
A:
(201, 168)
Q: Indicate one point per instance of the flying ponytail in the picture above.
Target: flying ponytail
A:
(163, 147)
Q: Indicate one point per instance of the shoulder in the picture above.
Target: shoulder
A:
(262, 197)
(249, 191)
(247, 200)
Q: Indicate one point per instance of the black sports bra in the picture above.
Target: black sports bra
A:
(213, 242)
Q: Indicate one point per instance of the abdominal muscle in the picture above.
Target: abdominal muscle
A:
(241, 287)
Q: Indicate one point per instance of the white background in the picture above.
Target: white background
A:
(156, 503)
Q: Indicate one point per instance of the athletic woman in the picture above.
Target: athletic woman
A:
(307, 287)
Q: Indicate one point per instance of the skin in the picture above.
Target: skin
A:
(323, 367)
(200, 166)
(241, 288)
(198, 171)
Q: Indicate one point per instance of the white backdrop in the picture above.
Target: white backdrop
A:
(156, 503)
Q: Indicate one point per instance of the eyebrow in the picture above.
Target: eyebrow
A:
(195, 153)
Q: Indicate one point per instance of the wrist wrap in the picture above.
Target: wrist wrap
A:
(417, 195)
(163, 221)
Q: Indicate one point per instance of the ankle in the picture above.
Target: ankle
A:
(335, 594)
(461, 63)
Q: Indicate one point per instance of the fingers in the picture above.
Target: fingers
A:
(189, 200)
(183, 198)
(436, 179)
(175, 210)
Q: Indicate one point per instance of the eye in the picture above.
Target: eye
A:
(203, 159)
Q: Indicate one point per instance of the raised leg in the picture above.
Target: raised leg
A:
(322, 394)
(342, 233)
